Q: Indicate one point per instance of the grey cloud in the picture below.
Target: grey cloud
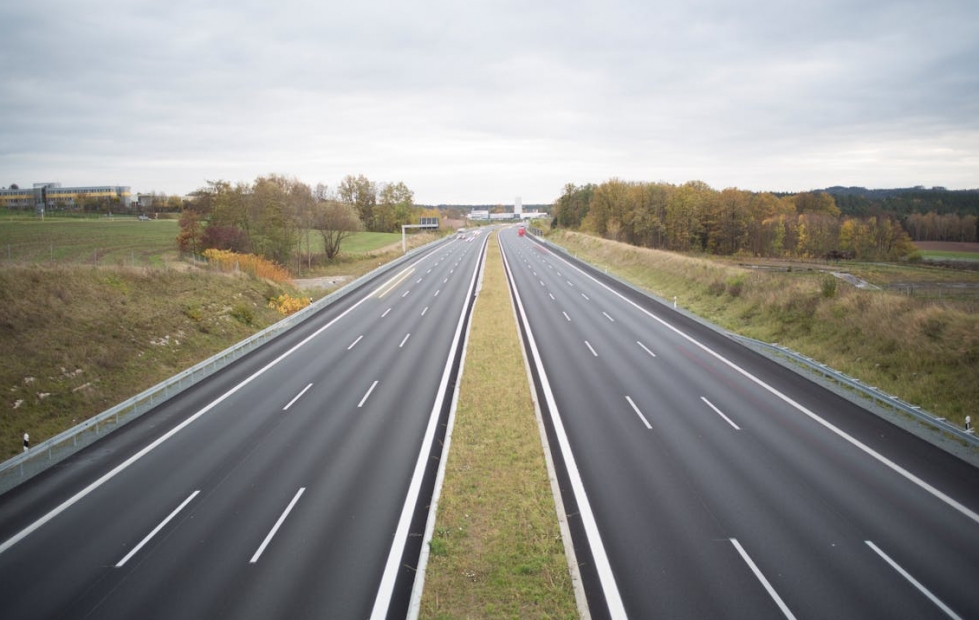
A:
(455, 93)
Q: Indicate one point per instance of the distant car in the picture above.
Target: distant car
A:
(144, 218)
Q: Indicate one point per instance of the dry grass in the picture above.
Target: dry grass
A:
(497, 550)
(75, 340)
(925, 351)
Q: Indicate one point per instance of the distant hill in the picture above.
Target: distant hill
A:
(838, 190)
(904, 201)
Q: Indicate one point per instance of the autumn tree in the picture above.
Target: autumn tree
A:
(727, 222)
(648, 214)
(360, 192)
(271, 217)
(336, 220)
(761, 207)
(605, 211)
(816, 202)
(395, 207)
(572, 207)
(684, 220)
(189, 237)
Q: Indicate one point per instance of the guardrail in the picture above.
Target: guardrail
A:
(868, 392)
(55, 449)
(873, 394)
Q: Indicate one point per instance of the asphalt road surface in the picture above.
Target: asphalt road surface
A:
(704, 481)
(289, 485)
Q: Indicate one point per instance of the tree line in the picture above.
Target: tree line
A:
(695, 217)
(275, 216)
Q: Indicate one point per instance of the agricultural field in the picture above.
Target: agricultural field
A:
(955, 250)
(116, 240)
(98, 309)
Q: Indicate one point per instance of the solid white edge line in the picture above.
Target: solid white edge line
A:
(354, 343)
(275, 528)
(720, 413)
(156, 530)
(418, 587)
(761, 577)
(297, 397)
(921, 588)
(404, 340)
(386, 588)
(639, 413)
(68, 503)
(367, 395)
(907, 475)
(588, 344)
(610, 589)
(571, 558)
(645, 349)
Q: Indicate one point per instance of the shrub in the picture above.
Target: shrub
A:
(194, 313)
(287, 304)
(248, 263)
(829, 287)
(735, 285)
(243, 314)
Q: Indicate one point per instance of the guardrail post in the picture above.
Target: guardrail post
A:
(205, 368)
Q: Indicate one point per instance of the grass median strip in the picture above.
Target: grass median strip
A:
(496, 551)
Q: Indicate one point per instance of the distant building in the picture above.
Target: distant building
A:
(517, 214)
(47, 196)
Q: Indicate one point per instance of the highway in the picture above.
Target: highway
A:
(702, 480)
(291, 484)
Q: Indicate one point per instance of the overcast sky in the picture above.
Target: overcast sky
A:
(478, 102)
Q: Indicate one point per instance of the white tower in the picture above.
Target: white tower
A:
(517, 208)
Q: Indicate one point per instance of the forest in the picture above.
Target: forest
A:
(693, 217)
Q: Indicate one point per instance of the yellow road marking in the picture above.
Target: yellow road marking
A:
(391, 284)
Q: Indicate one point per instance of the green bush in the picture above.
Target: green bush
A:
(735, 285)
(829, 287)
(243, 314)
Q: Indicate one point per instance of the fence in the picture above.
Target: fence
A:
(54, 450)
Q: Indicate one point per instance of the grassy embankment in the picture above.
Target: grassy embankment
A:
(82, 329)
(925, 351)
(497, 550)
